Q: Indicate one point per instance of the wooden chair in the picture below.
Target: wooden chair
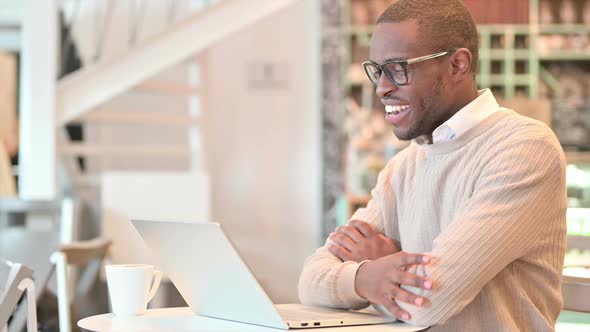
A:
(576, 291)
(576, 279)
(16, 279)
(89, 255)
(32, 249)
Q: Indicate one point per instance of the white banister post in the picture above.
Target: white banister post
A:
(38, 76)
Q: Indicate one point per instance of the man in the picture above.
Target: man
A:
(478, 197)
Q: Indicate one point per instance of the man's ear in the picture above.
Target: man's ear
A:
(460, 64)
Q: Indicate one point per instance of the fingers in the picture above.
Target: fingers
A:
(338, 251)
(413, 280)
(351, 232)
(365, 229)
(344, 241)
(402, 259)
(395, 310)
(400, 294)
(385, 239)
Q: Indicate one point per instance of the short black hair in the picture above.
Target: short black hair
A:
(443, 25)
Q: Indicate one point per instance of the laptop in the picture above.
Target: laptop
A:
(215, 282)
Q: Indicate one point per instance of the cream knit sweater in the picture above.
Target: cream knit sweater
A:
(490, 206)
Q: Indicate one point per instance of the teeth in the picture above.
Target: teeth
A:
(395, 109)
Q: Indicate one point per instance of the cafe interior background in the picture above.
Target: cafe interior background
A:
(253, 114)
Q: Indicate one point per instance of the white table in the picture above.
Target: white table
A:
(182, 319)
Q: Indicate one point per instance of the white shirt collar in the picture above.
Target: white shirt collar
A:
(467, 117)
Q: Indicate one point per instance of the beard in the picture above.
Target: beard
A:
(429, 121)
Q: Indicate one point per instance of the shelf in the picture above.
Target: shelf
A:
(501, 29)
(576, 157)
(565, 56)
(508, 70)
(497, 79)
(578, 242)
(496, 29)
(503, 54)
(564, 29)
(515, 79)
(522, 54)
(521, 79)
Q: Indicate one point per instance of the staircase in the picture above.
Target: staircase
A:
(80, 92)
(104, 97)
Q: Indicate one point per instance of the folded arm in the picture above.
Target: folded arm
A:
(329, 275)
(511, 205)
(326, 280)
(520, 193)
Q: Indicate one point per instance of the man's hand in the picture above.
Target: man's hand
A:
(379, 281)
(357, 242)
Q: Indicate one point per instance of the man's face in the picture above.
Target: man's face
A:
(420, 106)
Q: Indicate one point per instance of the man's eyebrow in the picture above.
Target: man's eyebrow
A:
(395, 59)
(388, 59)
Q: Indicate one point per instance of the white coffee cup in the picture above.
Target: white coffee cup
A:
(129, 287)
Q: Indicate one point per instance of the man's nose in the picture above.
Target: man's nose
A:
(385, 86)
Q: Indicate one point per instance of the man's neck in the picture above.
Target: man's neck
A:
(424, 139)
(462, 101)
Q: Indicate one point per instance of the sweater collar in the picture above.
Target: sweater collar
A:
(466, 118)
(468, 136)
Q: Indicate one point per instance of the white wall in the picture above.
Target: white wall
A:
(11, 12)
(263, 143)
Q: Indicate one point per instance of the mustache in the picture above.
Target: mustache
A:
(393, 98)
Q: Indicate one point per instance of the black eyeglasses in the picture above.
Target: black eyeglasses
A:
(396, 70)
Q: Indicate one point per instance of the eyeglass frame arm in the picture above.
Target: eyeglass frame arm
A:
(405, 63)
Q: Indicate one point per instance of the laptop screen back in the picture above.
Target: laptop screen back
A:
(208, 272)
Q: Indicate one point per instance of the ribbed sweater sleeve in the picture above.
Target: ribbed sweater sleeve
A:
(490, 208)
(513, 204)
(325, 279)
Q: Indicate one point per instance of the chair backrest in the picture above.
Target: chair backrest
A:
(576, 289)
(16, 279)
(86, 254)
(81, 253)
(31, 248)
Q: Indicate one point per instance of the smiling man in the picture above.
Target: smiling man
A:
(466, 229)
